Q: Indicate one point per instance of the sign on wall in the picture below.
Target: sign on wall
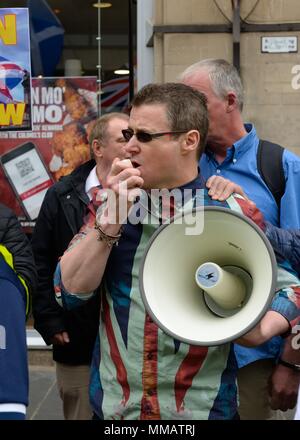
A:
(63, 111)
(15, 73)
(279, 44)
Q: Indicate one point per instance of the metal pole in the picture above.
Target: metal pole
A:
(145, 57)
(236, 33)
(130, 52)
(99, 67)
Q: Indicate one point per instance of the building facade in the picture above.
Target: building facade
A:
(186, 31)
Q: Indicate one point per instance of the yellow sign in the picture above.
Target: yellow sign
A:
(12, 114)
(15, 70)
(8, 29)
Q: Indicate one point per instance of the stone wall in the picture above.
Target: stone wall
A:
(270, 100)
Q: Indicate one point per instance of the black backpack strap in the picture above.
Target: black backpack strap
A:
(269, 165)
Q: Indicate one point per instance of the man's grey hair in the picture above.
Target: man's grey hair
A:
(223, 75)
(99, 130)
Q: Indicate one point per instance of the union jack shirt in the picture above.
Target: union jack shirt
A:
(138, 371)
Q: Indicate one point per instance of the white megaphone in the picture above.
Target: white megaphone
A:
(213, 287)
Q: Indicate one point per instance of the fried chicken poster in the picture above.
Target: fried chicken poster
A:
(63, 112)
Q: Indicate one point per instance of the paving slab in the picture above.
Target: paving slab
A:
(44, 400)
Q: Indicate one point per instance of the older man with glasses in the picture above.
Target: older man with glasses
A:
(138, 371)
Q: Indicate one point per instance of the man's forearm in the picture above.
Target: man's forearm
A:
(82, 267)
(272, 324)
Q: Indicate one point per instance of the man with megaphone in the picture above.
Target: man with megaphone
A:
(140, 369)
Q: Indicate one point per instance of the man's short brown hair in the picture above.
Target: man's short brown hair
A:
(186, 107)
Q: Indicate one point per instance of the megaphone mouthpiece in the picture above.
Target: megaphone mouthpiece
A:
(225, 288)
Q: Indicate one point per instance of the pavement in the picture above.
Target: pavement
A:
(44, 400)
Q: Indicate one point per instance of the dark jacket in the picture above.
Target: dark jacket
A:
(13, 239)
(60, 218)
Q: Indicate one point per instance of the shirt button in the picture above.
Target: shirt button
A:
(218, 171)
(68, 196)
(234, 160)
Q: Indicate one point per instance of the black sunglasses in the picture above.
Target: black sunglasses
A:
(143, 136)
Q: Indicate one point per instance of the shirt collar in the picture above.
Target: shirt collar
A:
(197, 183)
(246, 141)
(91, 181)
(240, 146)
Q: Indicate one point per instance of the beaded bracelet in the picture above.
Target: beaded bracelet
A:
(110, 240)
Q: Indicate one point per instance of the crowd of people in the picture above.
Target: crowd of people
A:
(112, 360)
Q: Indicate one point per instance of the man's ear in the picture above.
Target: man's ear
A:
(191, 141)
(232, 102)
(97, 148)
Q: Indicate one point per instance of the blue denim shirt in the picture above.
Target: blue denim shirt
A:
(240, 166)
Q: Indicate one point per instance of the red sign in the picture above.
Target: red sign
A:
(64, 111)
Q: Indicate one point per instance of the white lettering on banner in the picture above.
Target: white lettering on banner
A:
(38, 114)
(51, 95)
(35, 95)
(52, 127)
(50, 99)
(46, 135)
(57, 95)
(29, 135)
(51, 114)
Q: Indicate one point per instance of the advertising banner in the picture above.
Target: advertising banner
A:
(15, 76)
(64, 111)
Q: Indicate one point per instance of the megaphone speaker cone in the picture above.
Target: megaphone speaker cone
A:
(242, 261)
